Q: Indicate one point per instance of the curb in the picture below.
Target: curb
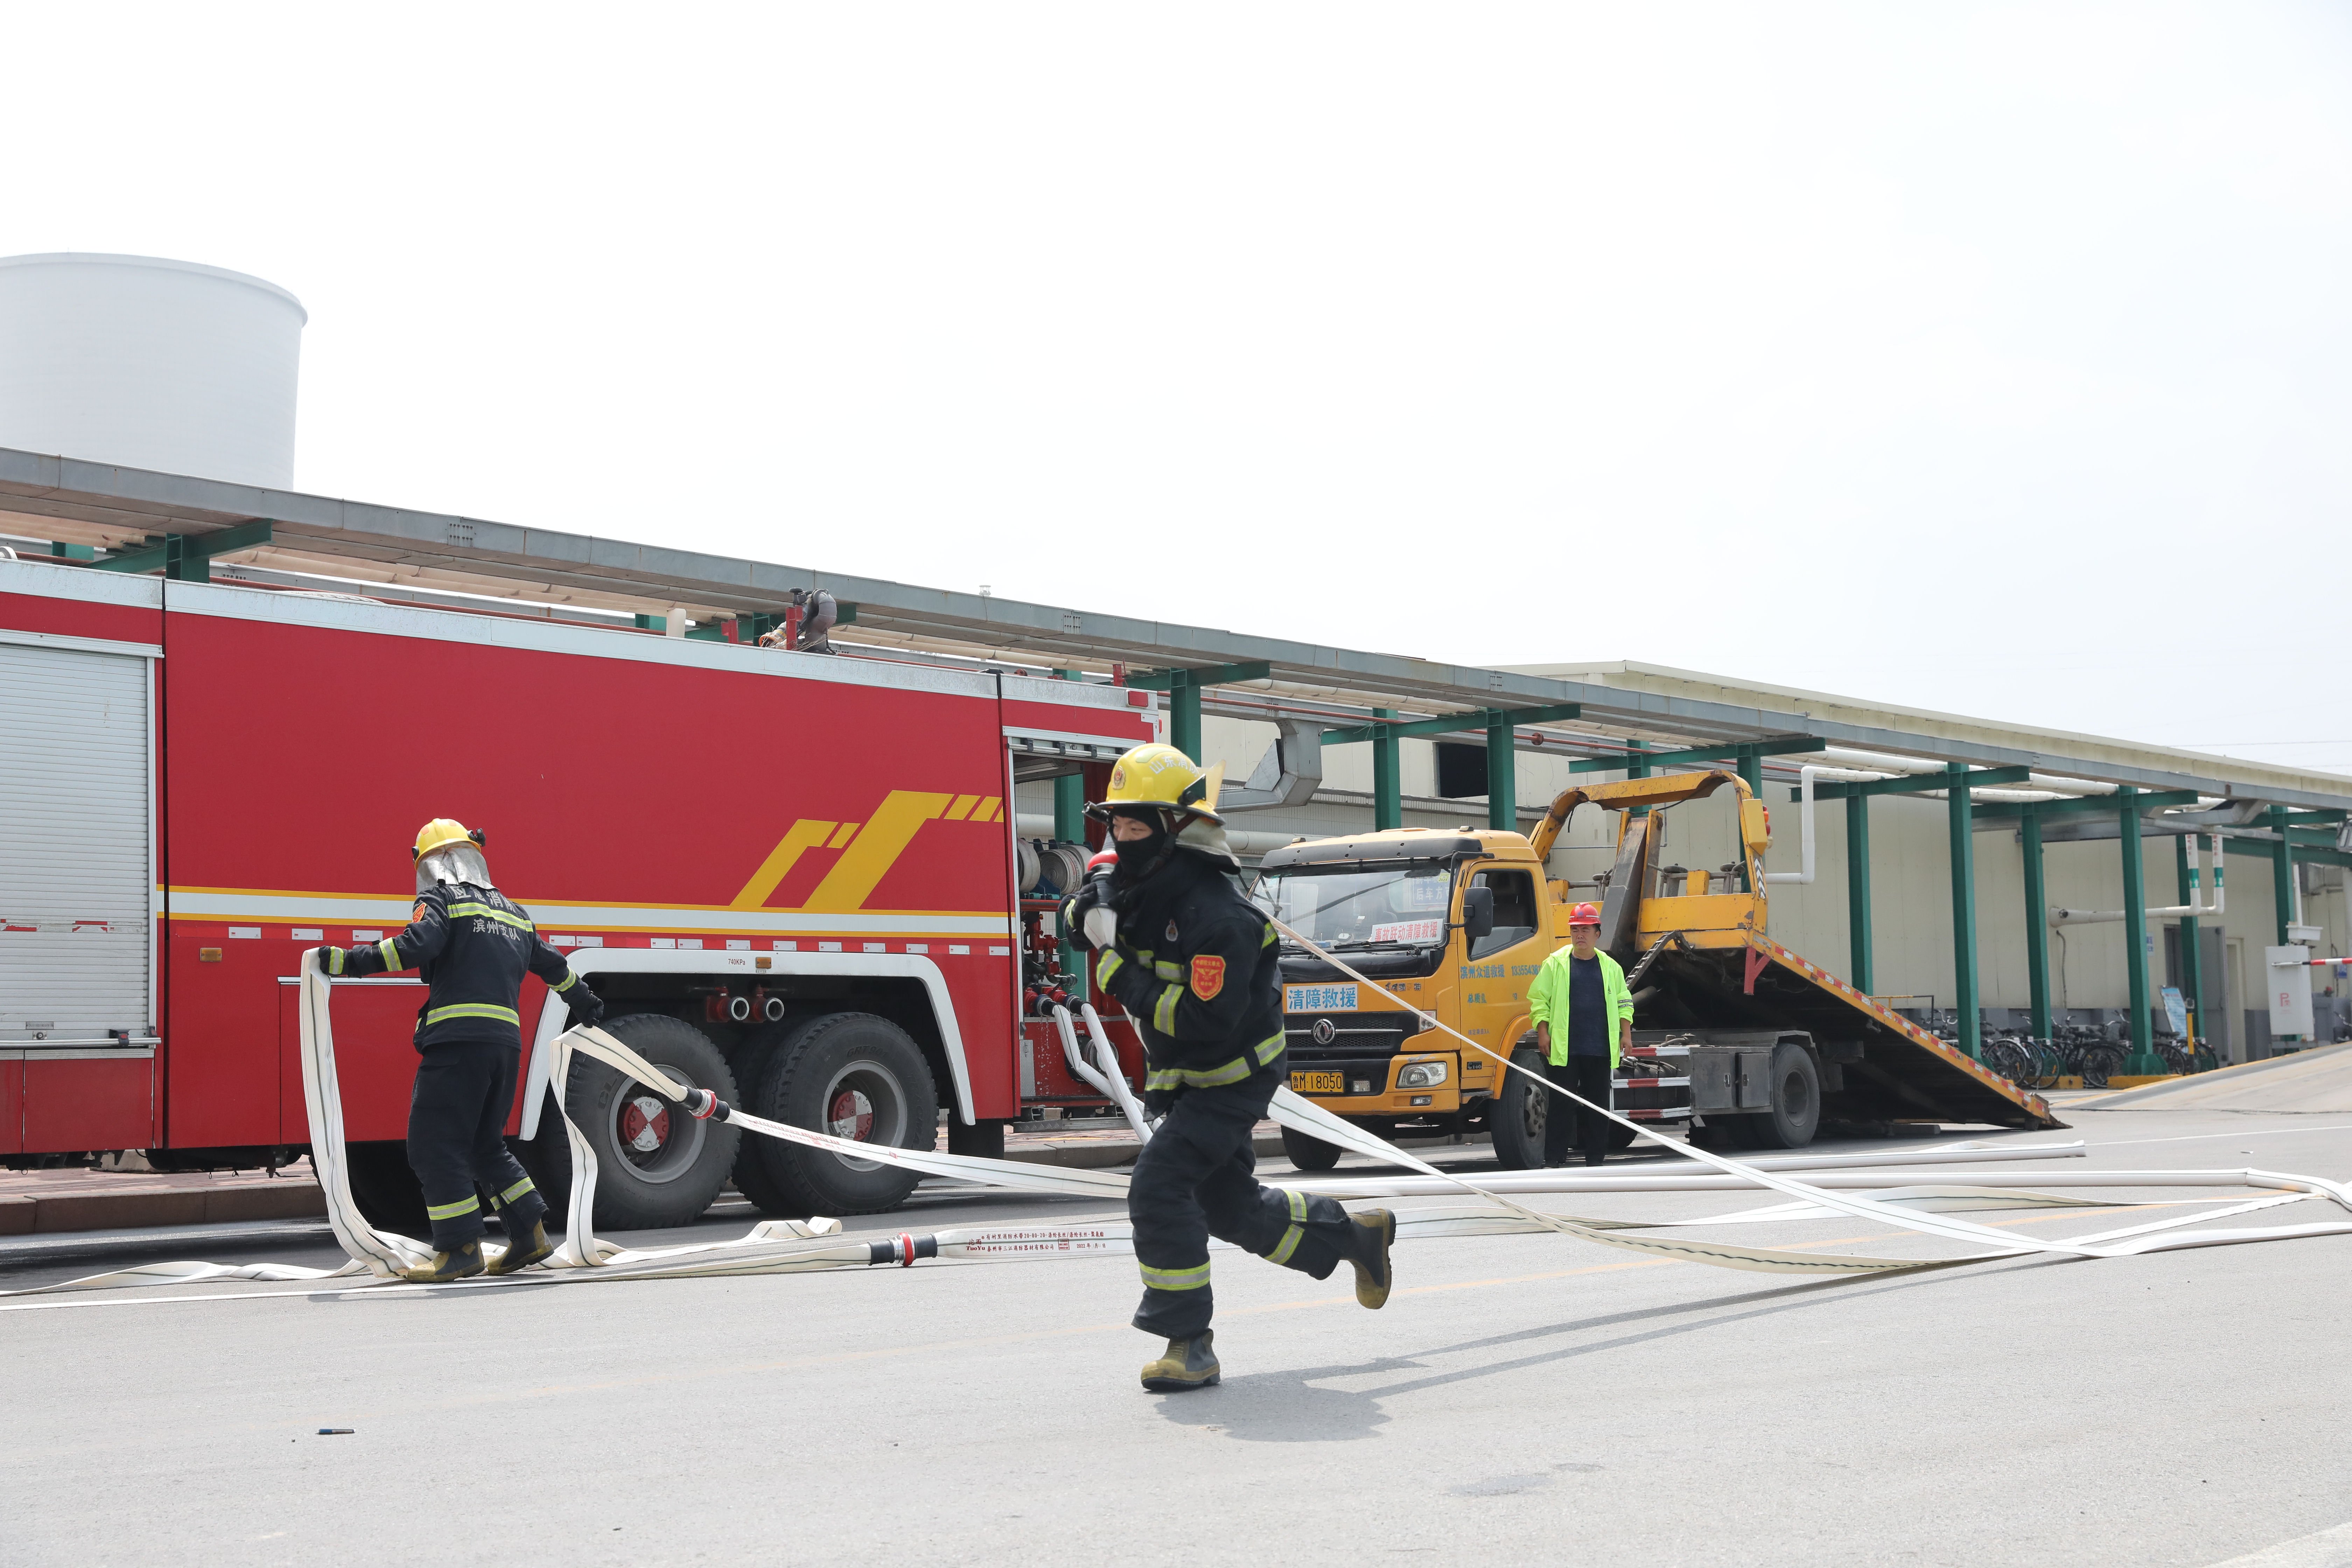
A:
(40, 1215)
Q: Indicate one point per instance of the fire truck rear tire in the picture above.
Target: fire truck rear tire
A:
(1517, 1118)
(844, 1066)
(1796, 1100)
(1308, 1153)
(672, 1185)
(749, 1065)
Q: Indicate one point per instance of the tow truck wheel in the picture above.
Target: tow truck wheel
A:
(1308, 1153)
(655, 1165)
(1518, 1114)
(855, 1076)
(1796, 1101)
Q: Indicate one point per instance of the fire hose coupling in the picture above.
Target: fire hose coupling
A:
(901, 1249)
(702, 1104)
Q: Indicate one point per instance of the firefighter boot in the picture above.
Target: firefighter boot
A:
(1189, 1363)
(1375, 1230)
(522, 1250)
(462, 1264)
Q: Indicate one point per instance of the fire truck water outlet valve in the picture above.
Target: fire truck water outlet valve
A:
(1902, 1201)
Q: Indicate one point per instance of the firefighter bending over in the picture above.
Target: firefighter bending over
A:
(473, 946)
(1193, 964)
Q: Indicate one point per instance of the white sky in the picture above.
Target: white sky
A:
(1988, 358)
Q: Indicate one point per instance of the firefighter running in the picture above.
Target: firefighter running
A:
(473, 946)
(1194, 964)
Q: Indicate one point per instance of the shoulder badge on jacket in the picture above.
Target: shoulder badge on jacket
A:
(1208, 976)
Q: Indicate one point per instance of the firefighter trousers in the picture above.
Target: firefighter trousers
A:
(457, 1141)
(1194, 1180)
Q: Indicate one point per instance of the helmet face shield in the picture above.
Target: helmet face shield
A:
(458, 862)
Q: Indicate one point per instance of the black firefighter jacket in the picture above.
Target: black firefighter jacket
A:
(1195, 967)
(473, 945)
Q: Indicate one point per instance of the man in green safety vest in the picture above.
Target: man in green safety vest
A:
(1584, 1021)
(474, 946)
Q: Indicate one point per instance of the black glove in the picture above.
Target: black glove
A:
(587, 1008)
(1092, 894)
(1135, 985)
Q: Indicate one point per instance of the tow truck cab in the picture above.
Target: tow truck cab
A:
(1452, 924)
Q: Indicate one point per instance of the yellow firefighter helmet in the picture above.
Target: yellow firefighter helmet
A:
(1161, 777)
(439, 834)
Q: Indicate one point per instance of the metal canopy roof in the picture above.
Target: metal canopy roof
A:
(76, 501)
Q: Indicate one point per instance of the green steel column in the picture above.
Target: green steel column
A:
(1184, 713)
(1070, 828)
(1857, 887)
(1388, 787)
(1635, 768)
(1751, 768)
(2191, 970)
(1502, 773)
(1964, 910)
(2037, 925)
(2143, 1058)
(2282, 875)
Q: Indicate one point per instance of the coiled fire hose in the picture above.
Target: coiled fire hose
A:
(796, 1245)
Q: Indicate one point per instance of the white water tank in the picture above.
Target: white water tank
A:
(150, 364)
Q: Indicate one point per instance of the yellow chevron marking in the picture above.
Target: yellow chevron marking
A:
(866, 861)
(802, 836)
(963, 807)
(841, 840)
(986, 812)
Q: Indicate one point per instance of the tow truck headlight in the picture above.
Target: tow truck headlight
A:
(1421, 1074)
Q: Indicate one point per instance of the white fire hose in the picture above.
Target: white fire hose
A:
(796, 1245)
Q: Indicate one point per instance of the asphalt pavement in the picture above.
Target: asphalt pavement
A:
(1522, 1398)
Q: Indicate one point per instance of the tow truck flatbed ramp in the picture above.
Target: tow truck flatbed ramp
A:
(1901, 1071)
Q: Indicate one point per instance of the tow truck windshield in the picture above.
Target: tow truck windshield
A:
(1356, 906)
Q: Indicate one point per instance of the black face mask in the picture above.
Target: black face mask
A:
(1140, 857)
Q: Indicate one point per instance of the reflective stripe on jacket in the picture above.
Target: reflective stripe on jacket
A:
(1548, 1000)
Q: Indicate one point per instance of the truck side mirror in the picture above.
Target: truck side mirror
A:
(1478, 913)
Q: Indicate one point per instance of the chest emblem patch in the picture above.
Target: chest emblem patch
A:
(1208, 976)
(1171, 930)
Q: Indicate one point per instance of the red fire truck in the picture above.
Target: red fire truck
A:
(794, 878)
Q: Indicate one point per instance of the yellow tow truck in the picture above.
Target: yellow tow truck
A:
(1749, 1042)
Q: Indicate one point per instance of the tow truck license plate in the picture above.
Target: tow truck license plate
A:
(1316, 1083)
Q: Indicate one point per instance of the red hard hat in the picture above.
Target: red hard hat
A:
(1584, 915)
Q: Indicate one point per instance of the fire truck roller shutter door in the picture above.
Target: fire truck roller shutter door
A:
(656, 1165)
(74, 874)
(854, 1075)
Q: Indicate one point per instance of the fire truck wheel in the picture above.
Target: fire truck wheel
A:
(1796, 1100)
(1308, 1153)
(855, 1076)
(655, 1167)
(749, 1065)
(1620, 1136)
(385, 1188)
(1518, 1118)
